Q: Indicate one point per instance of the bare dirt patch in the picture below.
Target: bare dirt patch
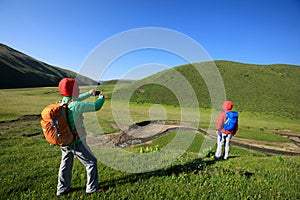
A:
(27, 125)
(285, 148)
(147, 131)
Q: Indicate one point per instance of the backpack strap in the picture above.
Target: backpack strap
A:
(79, 131)
(226, 112)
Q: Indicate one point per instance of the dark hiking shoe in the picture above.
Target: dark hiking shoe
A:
(217, 158)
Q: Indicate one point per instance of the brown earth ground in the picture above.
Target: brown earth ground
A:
(147, 131)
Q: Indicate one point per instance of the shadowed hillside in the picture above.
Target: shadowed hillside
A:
(272, 89)
(18, 70)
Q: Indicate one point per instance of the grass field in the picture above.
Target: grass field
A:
(29, 166)
(271, 89)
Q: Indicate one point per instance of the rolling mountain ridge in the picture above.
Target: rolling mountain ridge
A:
(272, 89)
(18, 70)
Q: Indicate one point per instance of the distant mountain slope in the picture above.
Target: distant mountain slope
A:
(18, 70)
(273, 89)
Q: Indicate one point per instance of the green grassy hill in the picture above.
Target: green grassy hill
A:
(18, 70)
(272, 89)
(29, 166)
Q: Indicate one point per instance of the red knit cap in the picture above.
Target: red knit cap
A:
(227, 105)
(68, 87)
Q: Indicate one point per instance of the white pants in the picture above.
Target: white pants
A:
(224, 138)
(86, 157)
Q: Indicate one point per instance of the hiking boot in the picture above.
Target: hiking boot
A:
(217, 158)
(98, 190)
(63, 193)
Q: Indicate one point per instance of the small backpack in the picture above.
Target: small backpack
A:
(231, 120)
(55, 125)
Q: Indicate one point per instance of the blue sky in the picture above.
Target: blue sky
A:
(63, 32)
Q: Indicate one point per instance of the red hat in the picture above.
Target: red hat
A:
(227, 105)
(69, 87)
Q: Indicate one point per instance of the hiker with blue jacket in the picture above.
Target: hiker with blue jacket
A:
(226, 128)
(69, 89)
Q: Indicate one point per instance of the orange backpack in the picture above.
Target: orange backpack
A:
(56, 126)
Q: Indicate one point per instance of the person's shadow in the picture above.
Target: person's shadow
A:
(193, 166)
(189, 167)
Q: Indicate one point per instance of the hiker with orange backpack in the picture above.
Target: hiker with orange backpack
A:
(69, 89)
(226, 128)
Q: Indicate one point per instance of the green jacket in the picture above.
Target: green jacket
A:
(75, 110)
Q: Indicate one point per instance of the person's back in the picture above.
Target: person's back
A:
(223, 135)
(226, 107)
(69, 89)
(76, 108)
